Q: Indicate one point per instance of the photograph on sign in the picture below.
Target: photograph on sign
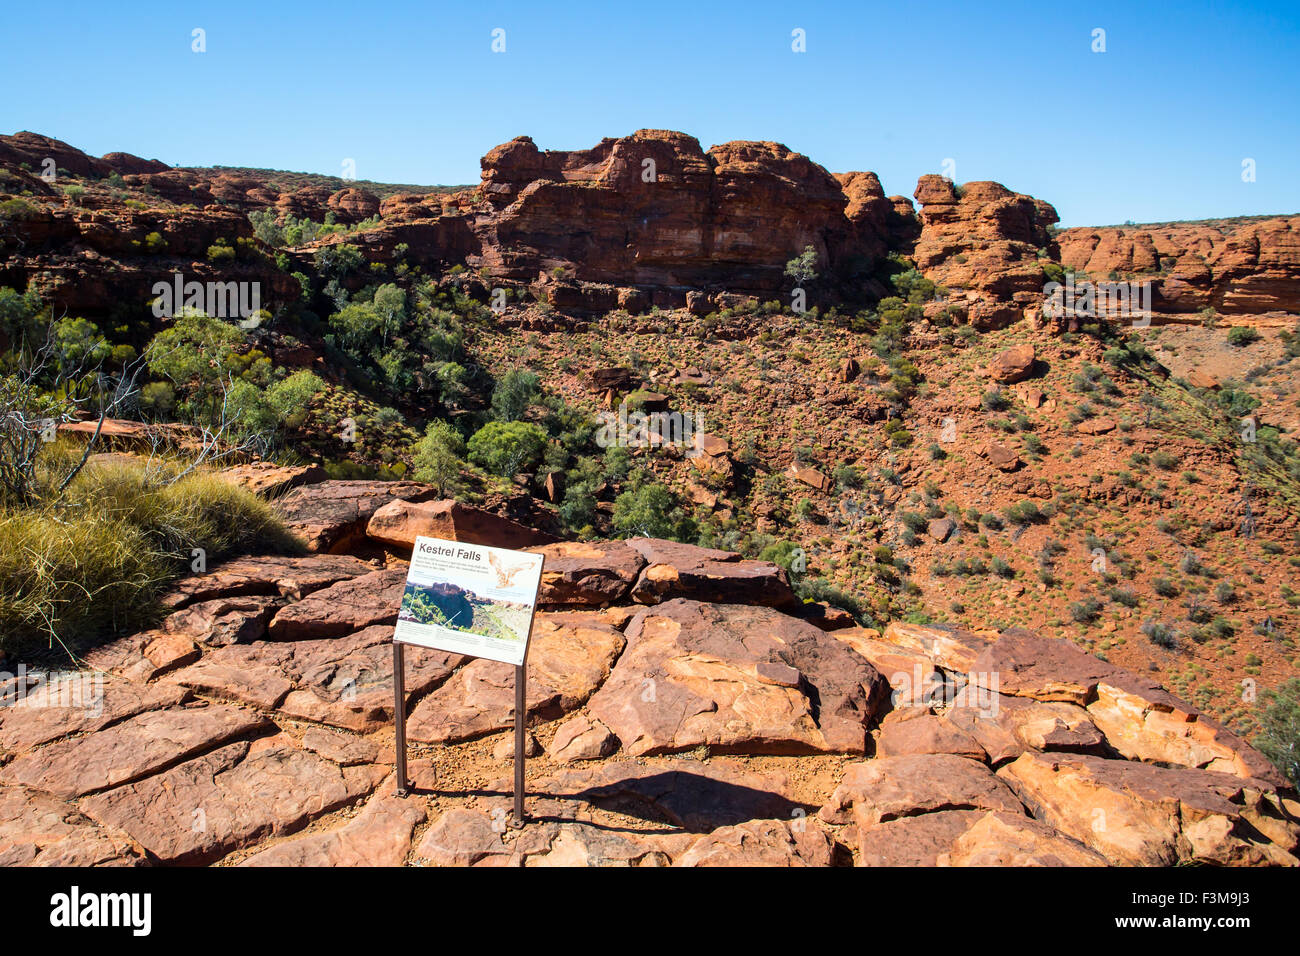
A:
(469, 599)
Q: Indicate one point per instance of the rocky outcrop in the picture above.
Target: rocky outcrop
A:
(685, 681)
(975, 748)
(984, 243)
(657, 210)
(1250, 268)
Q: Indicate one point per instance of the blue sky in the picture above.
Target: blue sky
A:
(1155, 128)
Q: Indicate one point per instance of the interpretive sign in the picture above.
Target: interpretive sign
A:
(474, 600)
(469, 599)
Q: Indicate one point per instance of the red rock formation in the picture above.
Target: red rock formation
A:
(656, 210)
(353, 205)
(129, 164)
(1245, 269)
(33, 149)
(984, 240)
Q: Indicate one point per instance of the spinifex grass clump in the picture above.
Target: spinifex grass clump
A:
(92, 565)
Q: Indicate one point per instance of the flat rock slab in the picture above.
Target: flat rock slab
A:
(596, 574)
(1136, 814)
(290, 577)
(568, 658)
(913, 840)
(674, 570)
(224, 620)
(1139, 719)
(1010, 839)
(230, 798)
(135, 748)
(970, 838)
(39, 830)
(1026, 665)
(911, 674)
(380, 835)
(342, 608)
(140, 658)
(465, 837)
(772, 843)
(952, 648)
(1143, 721)
(887, 788)
(925, 733)
(76, 704)
(332, 516)
(345, 682)
(1008, 726)
(268, 479)
(739, 679)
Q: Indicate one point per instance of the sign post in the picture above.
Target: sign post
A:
(474, 600)
(521, 728)
(399, 712)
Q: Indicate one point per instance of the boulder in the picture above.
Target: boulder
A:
(674, 570)
(269, 479)
(582, 738)
(811, 477)
(1000, 456)
(738, 679)
(940, 528)
(595, 574)
(762, 843)
(1136, 814)
(1099, 425)
(398, 523)
(1012, 365)
(331, 516)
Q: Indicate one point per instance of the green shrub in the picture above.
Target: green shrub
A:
(93, 568)
(507, 448)
(220, 251)
(1278, 738)
(513, 394)
(1242, 335)
(438, 457)
(650, 510)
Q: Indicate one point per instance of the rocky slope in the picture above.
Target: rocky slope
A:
(679, 715)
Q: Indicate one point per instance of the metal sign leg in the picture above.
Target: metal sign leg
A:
(399, 711)
(521, 728)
